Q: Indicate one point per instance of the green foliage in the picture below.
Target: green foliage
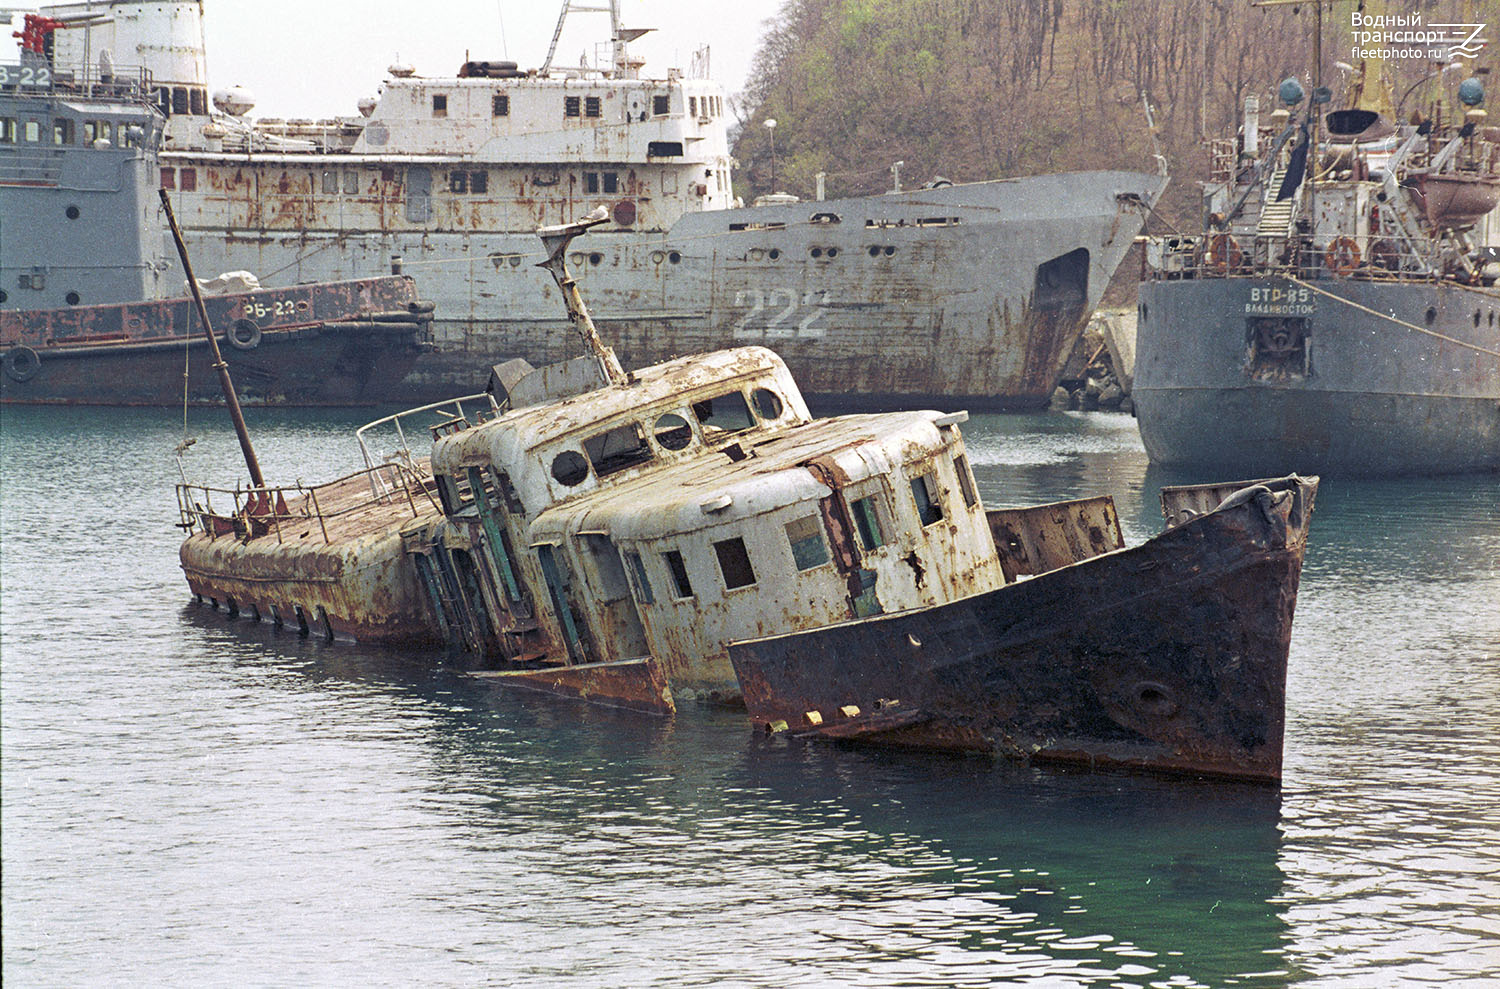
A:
(980, 89)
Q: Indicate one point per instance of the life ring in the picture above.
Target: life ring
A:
(22, 363)
(243, 335)
(1224, 253)
(1342, 256)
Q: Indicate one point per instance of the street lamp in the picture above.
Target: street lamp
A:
(771, 131)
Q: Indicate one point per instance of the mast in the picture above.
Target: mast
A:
(230, 398)
(556, 240)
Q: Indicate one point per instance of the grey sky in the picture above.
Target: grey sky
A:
(314, 58)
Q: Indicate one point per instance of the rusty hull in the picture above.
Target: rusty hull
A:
(1170, 656)
(337, 568)
(330, 343)
(633, 684)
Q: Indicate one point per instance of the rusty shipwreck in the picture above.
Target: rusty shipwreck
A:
(689, 531)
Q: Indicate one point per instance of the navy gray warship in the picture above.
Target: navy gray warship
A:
(93, 310)
(960, 292)
(1337, 314)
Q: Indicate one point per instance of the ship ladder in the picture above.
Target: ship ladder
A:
(1276, 218)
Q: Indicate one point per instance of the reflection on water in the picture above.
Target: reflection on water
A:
(189, 798)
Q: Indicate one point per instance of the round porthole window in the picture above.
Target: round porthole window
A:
(767, 403)
(71, 298)
(569, 468)
(72, 213)
(672, 432)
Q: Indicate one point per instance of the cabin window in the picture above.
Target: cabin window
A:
(867, 523)
(721, 414)
(33, 131)
(592, 106)
(458, 181)
(7, 130)
(570, 106)
(169, 178)
(188, 179)
(664, 149)
(590, 181)
(680, 583)
(617, 449)
(569, 468)
(734, 563)
(62, 132)
(661, 105)
(767, 403)
(449, 494)
(692, 106)
(199, 99)
(611, 182)
(672, 432)
(500, 105)
(351, 183)
(440, 105)
(924, 492)
(330, 183)
(479, 181)
(806, 538)
(965, 480)
(637, 569)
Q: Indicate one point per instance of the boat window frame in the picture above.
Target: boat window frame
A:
(927, 484)
(733, 554)
(966, 485)
(680, 582)
(639, 580)
(721, 431)
(643, 452)
(871, 521)
(814, 526)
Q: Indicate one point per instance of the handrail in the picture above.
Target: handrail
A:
(258, 511)
(402, 454)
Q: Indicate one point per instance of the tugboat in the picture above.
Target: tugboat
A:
(1336, 313)
(88, 314)
(969, 292)
(682, 531)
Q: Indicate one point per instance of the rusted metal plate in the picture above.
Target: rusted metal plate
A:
(1170, 656)
(1044, 537)
(634, 684)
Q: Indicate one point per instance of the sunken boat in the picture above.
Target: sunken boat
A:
(89, 312)
(638, 538)
(1338, 311)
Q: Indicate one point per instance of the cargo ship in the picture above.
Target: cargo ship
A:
(94, 310)
(1338, 312)
(973, 293)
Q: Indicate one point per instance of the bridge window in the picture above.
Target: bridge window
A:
(924, 492)
(680, 583)
(187, 179)
(169, 178)
(734, 563)
(767, 403)
(723, 414)
(965, 480)
(592, 106)
(590, 181)
(673, 432)
(330, 182)
(637, 570)
(7, 130)
(62, 132)
(569, 468)
(500, 105)
(806, 538)
(571, 106)
(617, 449)
(180, 100)
(440, 105)
(33, 131)
(611, 182)
(692, 106)
(661, 105)
(664, 149)
(866, 513)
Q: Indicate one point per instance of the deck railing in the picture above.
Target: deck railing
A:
(452, 418)
(1382, 258)
(246, 513)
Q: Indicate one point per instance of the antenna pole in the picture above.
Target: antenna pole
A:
(230, 398)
